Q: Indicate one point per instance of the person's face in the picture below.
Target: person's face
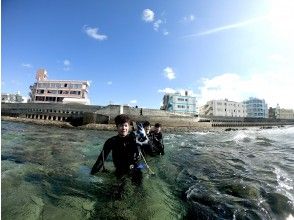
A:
(147, 129)
(123, 129)
(157, 129)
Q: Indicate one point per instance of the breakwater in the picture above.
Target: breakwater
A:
(91, 116)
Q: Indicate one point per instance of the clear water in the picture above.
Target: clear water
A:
(245, 174)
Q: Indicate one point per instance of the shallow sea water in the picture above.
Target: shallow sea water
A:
(244, 174)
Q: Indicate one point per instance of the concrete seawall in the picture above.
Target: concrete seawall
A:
(90, 116)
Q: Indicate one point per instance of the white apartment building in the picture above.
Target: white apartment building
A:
(177, 103)
(58, 91)
(223, 108)
(256, 108)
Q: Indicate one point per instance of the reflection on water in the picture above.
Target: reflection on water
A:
(244, 174)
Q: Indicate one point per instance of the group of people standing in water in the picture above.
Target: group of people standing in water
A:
(128, 151)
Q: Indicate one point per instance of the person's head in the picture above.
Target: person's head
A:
(157, 127)
(122, 123)
(147, 126)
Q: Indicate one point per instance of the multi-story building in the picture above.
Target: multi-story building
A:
(223, 108)
(256, 108)
(282, 113)
(175, 102)
(58, 91)
(11, 98)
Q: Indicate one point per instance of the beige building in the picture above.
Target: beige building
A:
(282, 113)
(223, 108)
(58, 91)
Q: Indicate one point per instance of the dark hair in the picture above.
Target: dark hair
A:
(157, 125)
(146, 123)
(121, 119)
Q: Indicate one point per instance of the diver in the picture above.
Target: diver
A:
(147, 147)
(125, 153)
(157, 140)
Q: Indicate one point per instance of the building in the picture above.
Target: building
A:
(177, 103)
(256, 108)
(224, 108)
(282, 113)
(58, 91)
(272, 112)
(11, 98)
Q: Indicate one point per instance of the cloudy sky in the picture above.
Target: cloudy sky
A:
(133, 52)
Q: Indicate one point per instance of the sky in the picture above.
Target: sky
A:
(134, 51)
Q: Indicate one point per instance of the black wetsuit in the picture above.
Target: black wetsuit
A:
(157, 142)
(125, 156)
(147, 148)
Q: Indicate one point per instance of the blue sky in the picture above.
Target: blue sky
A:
(132, 51)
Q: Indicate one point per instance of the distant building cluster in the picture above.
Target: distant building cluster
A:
(251, 108)
(11, 98)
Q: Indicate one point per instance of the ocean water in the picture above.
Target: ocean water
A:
(244, 174)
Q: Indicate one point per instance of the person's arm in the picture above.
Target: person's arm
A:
(101, 158)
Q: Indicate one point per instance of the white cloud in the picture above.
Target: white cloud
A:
(66, 65)
(93, 33)
(148, 15)
(189, 18)
(156, 24)
(274, 87)
(169, 73)
(167, 90)
(179, 90)
(133, 101)
(278, 58)
(27, 65)
(66, 62)
(165, 33)
(227, 27)
(109, 83)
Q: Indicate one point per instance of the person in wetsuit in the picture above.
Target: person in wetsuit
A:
(147, 148)
(125, 154)
(157, 140)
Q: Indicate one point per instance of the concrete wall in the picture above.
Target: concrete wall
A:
(94, 118)
(167, 119)
(56, 112)
(86, 114)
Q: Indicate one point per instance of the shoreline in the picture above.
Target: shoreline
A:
(111, 127)
(105, 127)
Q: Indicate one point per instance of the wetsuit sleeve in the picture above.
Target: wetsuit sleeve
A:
(102, 157)
(162, 150)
